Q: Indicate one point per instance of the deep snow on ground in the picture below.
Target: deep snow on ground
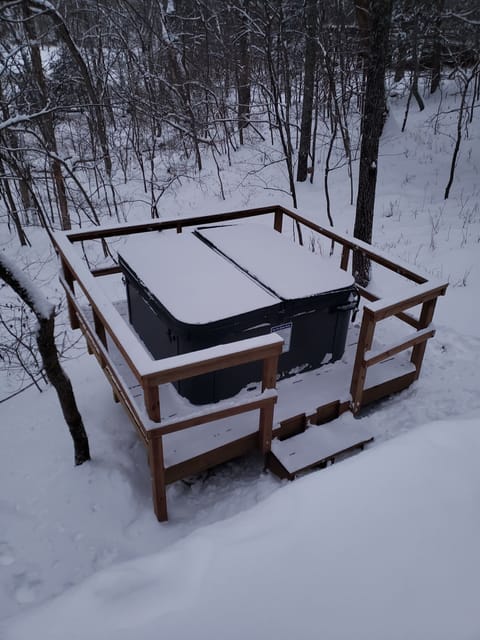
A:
(60, 524)
(379, 546)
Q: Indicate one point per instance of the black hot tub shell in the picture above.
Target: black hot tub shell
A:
(216, 285)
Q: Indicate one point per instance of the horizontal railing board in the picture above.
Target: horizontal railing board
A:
(390, 306)
(374, 357)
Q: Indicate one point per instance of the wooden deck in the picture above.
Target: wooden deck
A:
(277, 418)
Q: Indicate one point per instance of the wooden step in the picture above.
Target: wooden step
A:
(316, 446)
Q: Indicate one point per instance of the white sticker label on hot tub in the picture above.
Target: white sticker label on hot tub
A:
(285, 332)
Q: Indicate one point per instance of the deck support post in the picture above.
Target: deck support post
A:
(269, 375)
(345, 257)
(359, 374)
(152, 401)
(100, 331)
(418, 351)
(265, 428)
(278, 220)
(157, 470)
(69, 279)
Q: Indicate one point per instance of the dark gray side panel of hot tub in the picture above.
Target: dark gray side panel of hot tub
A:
(150, 326)
(318, 329)
(318, 335)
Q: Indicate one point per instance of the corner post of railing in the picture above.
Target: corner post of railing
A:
(157, 471)
(359, 374)
(278, 220)
(69, 279)
(418, 351)
(269, 381)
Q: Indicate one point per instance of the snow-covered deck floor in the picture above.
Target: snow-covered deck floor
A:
(302, 393)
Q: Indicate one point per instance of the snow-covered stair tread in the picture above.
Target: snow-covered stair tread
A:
(319, 443)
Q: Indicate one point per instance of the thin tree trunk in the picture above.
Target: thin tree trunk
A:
(61, 382)
(244, 73)
(437, 48)
(12, 209)
(458, 139)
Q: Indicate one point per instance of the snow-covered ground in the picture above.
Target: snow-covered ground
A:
(382, 545)
(379, 546)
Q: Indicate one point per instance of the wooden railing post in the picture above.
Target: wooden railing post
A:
(269, 375)
(69, 279)
(265, 425)
(278, 220)
(418, 351)
(100, 331)
(157, 470)
(345, 257)
(359, 374)
(152, 401)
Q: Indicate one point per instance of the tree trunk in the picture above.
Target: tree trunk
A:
(311, 13)
(244, 72)
(61, 382)
(53, 369)
(379, 16)
(437, 48)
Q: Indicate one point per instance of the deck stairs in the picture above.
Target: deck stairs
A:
(317, 446)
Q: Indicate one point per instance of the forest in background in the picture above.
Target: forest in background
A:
(95, 93)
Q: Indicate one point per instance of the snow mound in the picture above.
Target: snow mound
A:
(384, 545)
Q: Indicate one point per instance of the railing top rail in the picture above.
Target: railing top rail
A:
(355, 244)
(221, 356)
(175, 223)
(387, 307)
(164, 224)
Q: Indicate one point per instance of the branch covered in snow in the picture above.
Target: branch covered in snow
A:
(19, 119)
(25, 288)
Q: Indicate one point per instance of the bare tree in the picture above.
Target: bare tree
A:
(45, 338)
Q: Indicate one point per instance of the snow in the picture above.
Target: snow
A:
(40, 305)
(381, 545)
(320, 442)
(376, 547)
(217, 288)
(213, 290)
(288, 269)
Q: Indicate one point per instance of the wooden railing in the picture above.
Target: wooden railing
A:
(425, 295)
(107, 324)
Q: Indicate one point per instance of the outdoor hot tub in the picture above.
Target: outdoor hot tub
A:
(218, 284)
